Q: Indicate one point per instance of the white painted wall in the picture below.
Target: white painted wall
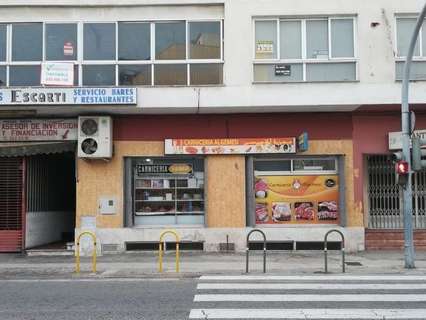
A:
(376, 45)
(46, 227)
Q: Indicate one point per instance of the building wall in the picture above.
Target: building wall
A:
(375, 30)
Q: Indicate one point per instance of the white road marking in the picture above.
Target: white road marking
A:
(317, 278)
(311, 297)
(303, 314)
(311, 286)
(90, 280)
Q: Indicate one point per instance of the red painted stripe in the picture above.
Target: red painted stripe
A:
(334, 126)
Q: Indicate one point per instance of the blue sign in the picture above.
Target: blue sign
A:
(68, 96)
(303, 142)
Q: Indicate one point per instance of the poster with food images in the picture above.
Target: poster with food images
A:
(297, 199)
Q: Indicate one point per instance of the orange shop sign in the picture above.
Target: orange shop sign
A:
(230, 146)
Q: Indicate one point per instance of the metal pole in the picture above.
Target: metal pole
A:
(405, 125)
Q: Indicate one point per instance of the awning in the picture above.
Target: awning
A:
(20, 149)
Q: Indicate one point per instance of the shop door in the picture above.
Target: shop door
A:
(384, 195)
(11, 192)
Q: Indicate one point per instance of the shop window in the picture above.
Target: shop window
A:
(134, 41)
(323, 72)
(135, 53)
(134, 74)
(404, 30)
(272, 165)
(2, 76)
(205, 74)
(27, 40)
(317, 39)
(99, 75)
(24, 75)
(291, 39)
(169, 191)
(170, 40)
(296, 191)
(3, 41)
(266, 39)
(99, 41)
(61, 41)
(170, 74)
(311, 50)
(204, 40)
(314, 165)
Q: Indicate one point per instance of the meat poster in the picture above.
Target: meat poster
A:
(297, 199)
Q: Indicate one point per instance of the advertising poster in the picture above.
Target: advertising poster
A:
(308, 199)
(230, 146)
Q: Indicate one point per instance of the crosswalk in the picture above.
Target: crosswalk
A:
(336, 297)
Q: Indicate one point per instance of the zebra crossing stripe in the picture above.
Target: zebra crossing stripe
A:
(303, 314)
(311, 297)
(316, 278)
(311, 286)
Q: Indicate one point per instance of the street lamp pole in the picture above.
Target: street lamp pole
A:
(406, 132)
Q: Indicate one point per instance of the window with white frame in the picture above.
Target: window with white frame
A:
(305, 50)
(115, 53)
(404, 30)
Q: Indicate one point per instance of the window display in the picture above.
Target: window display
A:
(297, 191)
(169, 192)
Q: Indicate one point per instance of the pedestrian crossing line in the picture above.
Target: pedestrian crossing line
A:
(311, 297)
(310, 286)
(303, 314)
(316, 278)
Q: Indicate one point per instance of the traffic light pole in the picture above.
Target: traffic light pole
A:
(406, 132)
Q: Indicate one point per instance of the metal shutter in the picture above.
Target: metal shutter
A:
(11, 182)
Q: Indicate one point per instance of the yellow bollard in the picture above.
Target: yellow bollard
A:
(160, 250)
(77, 261)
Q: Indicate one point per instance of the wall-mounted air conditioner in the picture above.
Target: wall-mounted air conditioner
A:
(94, 137)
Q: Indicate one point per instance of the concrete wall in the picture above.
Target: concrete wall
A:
(375, 50)
(47, 227)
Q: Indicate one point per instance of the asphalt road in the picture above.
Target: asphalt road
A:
(96, 299)
(335, 297)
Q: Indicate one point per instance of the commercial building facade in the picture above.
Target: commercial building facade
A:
(206, 104)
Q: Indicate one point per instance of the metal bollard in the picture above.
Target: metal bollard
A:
(342, 249)
(77, 259)
(160, 250)
(248, 249)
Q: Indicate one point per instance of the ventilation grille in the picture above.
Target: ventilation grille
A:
(153, 246)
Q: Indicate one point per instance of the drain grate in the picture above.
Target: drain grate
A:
(353, 263)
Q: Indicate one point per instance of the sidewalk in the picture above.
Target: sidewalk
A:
(193, 264)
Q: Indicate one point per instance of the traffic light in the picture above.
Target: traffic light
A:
(417, 153)
(401, 169)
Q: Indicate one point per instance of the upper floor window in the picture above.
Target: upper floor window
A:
(115, 53)
(404, 30)
(310, 49)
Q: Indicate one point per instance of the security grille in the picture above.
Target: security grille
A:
(384, 195)
(10, 204)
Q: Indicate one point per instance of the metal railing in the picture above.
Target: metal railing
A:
(160, 250)
(248, 249)
(342, 249)
(77, 260)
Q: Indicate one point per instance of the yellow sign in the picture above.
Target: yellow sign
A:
(297, 199)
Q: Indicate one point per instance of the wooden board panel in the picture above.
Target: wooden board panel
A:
(226, 197)
(98, 178)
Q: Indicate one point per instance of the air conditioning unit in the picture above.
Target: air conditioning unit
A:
(95, 137)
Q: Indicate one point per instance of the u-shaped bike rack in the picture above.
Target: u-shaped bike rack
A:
(342, 248)
(264, 249)
(77, 261)
(160, 250)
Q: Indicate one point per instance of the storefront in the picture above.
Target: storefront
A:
(167, 174)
